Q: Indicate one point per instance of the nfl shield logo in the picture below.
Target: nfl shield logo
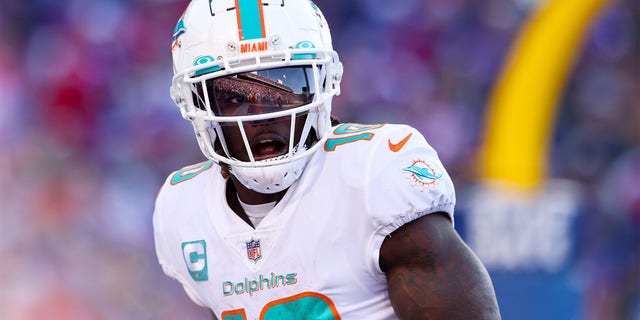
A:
(253, 250)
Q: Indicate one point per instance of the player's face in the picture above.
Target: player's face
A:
(261, 92)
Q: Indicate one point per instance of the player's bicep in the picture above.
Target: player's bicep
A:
(432, 274)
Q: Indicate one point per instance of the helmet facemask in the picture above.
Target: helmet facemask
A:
(263, 123)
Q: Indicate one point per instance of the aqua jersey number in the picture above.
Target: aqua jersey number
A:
(303, 306)
(348, 133)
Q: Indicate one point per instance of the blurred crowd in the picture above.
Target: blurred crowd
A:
(88, 134)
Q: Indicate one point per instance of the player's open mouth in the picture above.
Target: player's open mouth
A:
(267, 146)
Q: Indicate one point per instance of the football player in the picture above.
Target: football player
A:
(296, 216)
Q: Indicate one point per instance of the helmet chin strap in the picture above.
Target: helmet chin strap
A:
(270, 179)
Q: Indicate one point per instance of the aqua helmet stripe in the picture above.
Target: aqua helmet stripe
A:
(250, 19)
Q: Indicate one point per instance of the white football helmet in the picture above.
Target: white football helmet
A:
(242, 64)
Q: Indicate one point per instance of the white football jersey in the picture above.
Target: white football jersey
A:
(315, 254)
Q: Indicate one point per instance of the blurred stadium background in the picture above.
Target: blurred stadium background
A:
(88, 134)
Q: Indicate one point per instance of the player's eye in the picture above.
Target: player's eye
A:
(237, 98)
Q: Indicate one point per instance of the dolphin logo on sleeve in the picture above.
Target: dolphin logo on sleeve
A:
(422, 173)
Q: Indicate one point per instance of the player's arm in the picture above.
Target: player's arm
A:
(433, 274)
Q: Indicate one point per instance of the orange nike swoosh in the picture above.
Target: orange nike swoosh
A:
(395, 147)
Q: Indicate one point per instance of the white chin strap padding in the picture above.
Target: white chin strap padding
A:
(270, 179)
